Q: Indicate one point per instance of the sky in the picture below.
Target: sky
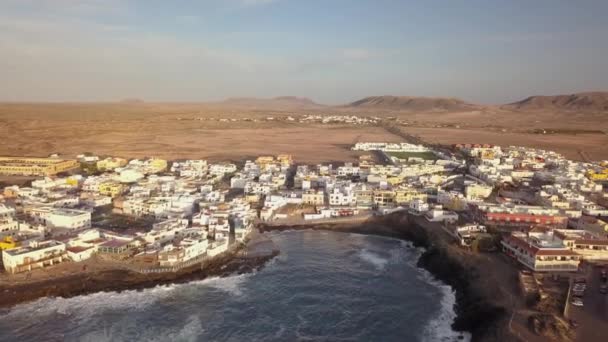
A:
(333, 51)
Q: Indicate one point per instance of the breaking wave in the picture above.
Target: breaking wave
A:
(374, 259)
(133, 300)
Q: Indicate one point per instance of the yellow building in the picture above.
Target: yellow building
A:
(474, 191)
(111, 163)
(157, 165)
(384, 197)
(395, 180)
(252, 198)
(8, 243)
(487, 154)
(72, 181)
(598, 176)
(262, 161)
(405, 196)
(365, 198)
(313, 197)
(285, 159)
(10, 192)
(111, 189)
(24, 166)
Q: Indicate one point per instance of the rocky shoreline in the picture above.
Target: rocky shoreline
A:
(229, 263)
(477, 312)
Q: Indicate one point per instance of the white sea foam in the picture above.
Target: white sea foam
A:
(440, 327)
(374, 259)
(191, 330)
(133, 300)
(232, 284)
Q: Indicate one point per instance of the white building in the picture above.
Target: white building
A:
(8, 224)
(36, 255)
(183, 251)
(437, 214)
(221, 169)
(61, 218)
(342, 197)
(418, 207)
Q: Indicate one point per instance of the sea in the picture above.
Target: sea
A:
(323, 286)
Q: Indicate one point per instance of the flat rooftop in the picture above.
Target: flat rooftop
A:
(69, 212)
(26, 161)
(28, 249)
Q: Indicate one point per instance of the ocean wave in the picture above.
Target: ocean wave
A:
(374, 259)
(191, 330)
(231, 285)
(134, 300)
(440, 327)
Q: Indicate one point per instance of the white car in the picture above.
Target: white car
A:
(577, 302)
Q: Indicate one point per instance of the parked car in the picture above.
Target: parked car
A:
(580, 280)
(579, 288)
(577, 302)
(603, 289)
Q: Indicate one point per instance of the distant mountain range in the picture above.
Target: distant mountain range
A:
(409, 103)
(583, 102)
(579, 102)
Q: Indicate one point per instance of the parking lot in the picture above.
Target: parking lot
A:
(592, 317)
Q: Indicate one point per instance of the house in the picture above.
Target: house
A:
(592, 224)
(183, 251)
(541, 251)
(146, 207)
(313, 197)
(35, 255)
(110, 164)
(477, 191)
(465, 234)
(438, 214)
(115, 246)
(585, 243)
(342, 197)
(93, 200)
(405, 196)
(518, 216)
(8, 223)
(61, 218)
(383, 198)
(26, 166)
(78, 253)
(111, 188)
(364, 198)
(217, 247)
(418, 207)
(452, 200)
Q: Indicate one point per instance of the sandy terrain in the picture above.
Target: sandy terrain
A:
(186, 130)
(173, 139)
(579, 146)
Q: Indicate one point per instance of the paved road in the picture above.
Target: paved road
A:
(593, 317)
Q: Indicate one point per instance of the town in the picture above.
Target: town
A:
(546, 213)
